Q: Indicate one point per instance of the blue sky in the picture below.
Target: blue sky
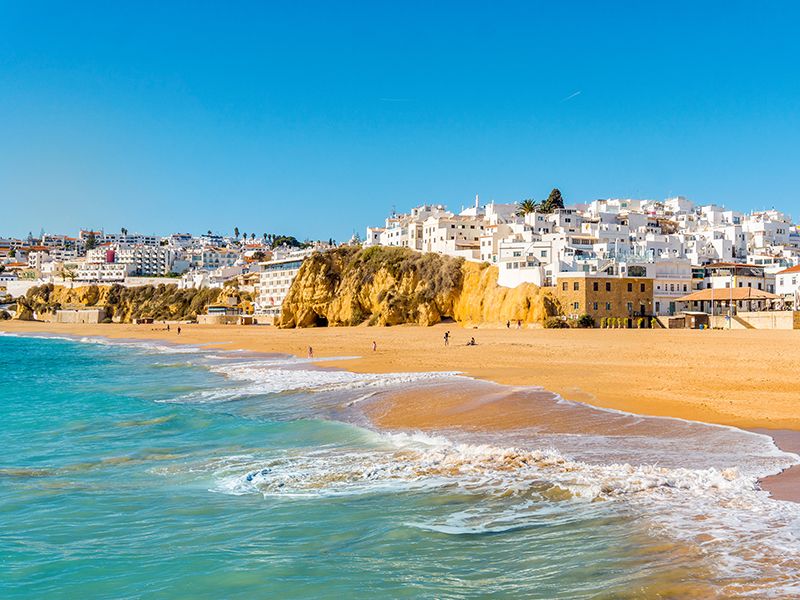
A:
(317, 118)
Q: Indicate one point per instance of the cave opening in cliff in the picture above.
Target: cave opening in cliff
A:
(320, 321)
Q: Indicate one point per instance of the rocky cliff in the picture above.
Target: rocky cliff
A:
(123, 304)
(391, 286)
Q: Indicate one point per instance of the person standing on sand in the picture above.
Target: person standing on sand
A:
(167, 326)
(519, 323)
(310, 352)
(446, 338)
(508, 324)
(179, 330)
(374, 346)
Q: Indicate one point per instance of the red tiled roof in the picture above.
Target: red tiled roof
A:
(791, 270)
(725, 294)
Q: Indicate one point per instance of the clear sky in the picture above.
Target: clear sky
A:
(315, 119)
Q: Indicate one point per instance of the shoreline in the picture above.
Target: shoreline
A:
(578, 365)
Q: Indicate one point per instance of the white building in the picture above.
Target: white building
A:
(276, 278)
(787, 284)
(102, 272)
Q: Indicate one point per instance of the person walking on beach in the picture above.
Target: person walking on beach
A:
(446, 338)
(374, 346)
(310, 352)
(167, 326)
(508, 324)
(179, 330)
(519, 323)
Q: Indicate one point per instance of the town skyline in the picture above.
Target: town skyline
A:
(22, 232)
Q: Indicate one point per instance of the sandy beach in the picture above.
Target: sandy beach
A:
(746, 379)
(743, 378)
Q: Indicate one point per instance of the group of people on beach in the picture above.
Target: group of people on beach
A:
(471, 341)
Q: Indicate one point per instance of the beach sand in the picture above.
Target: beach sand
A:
(744, 378)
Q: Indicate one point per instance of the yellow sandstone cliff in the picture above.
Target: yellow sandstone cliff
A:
(123, 304)
(392, 286)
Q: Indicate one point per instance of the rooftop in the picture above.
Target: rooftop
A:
(790, 270)
(726, 294)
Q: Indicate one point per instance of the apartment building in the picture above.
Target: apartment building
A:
(603, 296)
(274, 282)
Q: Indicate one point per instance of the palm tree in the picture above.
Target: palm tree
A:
(526, 207)
(236, 232)
(252, 236)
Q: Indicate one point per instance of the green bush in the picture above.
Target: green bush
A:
(555, 323)
(586, 321)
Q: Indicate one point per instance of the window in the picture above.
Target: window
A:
(596, 286)
(564, 287)
(630, 287)
(576, 305)
(594, 306)
(608, 305)
(576, 286)
(630, 307)
(608, 286)
(641, 287)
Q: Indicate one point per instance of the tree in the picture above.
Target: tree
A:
(264, 237)
(252, 236)
(209, 233)
(554, 201)
(123, 231)
(91, 241)
(12, 253)
(236, 232)
(526, 207)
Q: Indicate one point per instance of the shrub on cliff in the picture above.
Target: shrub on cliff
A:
(555, 323)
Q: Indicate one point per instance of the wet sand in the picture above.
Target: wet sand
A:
(786, 485)
(745, 378)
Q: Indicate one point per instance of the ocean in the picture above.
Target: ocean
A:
(140, 470)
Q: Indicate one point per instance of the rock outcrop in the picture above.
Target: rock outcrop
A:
(392, 286)
(123, 304)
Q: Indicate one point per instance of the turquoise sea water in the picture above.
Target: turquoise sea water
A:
(130, 470)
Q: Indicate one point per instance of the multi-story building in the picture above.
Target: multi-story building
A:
(101, 272)
(787, 285)
(275, 279)
(603, 296)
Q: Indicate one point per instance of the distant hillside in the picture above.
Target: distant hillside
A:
(124, 304)
(391, 286)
